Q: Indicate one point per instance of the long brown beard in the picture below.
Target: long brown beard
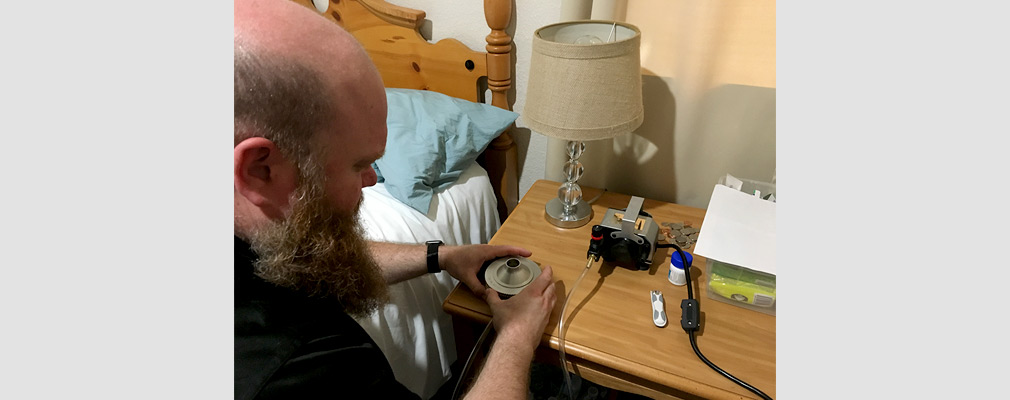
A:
(321, 252)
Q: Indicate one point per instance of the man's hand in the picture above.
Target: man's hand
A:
(524, 315)
(520, 323)
(464, 262)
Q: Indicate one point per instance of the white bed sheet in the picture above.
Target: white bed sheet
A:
(412, 330)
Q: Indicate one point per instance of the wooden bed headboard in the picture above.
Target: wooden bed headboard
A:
(391, 36)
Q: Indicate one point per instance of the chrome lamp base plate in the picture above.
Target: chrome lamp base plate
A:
(555, 210)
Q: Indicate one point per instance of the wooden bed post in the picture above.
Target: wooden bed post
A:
(501, 158)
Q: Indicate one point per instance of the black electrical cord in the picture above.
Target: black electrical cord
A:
(690, 324)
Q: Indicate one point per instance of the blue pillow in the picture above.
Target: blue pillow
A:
(431, 139)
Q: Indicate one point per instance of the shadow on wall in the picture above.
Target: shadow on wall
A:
(684, 146)
(639, 163)
(521, 136)
(733, 131)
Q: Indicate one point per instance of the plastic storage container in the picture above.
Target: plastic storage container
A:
(764, 190)
(747, 288)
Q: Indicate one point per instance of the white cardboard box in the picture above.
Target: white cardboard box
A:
(739, 232)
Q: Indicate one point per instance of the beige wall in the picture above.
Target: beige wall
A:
(709, 93)
(708, 86)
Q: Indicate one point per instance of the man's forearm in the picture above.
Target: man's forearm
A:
(399, 262)
(506, 371)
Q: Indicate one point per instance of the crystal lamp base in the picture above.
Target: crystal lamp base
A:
(554, 212)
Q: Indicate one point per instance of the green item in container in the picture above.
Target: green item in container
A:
(742, 284)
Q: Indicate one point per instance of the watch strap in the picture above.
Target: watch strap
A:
(432, 257)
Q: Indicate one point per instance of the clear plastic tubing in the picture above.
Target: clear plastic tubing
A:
(561, 327)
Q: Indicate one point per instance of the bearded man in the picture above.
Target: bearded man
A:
(309, 121)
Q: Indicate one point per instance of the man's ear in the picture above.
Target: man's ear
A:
(263, 176)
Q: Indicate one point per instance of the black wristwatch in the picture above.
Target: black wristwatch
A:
(433, 256)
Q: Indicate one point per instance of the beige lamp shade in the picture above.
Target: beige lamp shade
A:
(585, 80)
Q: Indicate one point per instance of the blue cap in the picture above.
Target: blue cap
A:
(675, 259)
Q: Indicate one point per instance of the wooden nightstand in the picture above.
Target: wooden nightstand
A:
(610, 337)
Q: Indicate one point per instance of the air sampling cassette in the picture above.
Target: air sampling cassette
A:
(509, 275)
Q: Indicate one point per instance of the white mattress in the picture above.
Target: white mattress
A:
(413, 331)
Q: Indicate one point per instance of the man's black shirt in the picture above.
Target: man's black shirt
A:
(290, 346)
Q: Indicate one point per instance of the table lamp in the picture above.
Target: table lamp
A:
(585, 84)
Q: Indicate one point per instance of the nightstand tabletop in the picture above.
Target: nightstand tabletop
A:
(610, 337)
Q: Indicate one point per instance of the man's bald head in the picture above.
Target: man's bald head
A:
(295, 74)
(287, 29)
